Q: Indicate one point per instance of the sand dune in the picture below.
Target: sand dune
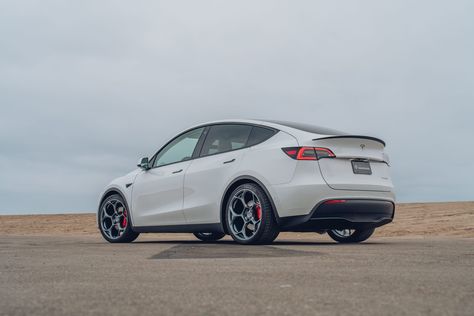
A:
(413, 219)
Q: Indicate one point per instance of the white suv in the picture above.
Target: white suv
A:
(252, 179)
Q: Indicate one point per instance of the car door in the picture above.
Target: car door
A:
(157, 196)
(206, 177)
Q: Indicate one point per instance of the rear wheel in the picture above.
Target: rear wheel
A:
(209, 236)
(249, 216)
(114, 221)
(350, 235)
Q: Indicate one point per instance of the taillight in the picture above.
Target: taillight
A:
(308, 153)
(322, 152)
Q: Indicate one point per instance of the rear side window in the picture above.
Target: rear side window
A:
(259, 134)
(223, 138)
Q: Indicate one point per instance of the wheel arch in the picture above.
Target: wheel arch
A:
(232, 186)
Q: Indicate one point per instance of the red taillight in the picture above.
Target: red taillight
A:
(308, 153)
(291, 151)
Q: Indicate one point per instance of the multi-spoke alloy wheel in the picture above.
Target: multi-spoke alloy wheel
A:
(245, 214)
(249, 216)
(350, 235)
(343, 233)
(114, 220)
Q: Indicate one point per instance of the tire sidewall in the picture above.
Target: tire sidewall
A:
(266, 212)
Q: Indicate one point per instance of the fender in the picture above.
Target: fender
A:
(119, 192)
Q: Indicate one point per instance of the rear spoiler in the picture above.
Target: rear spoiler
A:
(354, 136)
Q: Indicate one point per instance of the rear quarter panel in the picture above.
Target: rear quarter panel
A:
(269, 164)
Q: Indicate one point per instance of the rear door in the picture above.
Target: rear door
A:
(207, 176)
(360, 163)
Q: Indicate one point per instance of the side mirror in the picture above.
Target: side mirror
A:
(144, 163)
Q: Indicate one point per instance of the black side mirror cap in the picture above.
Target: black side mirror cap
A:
(144, 163)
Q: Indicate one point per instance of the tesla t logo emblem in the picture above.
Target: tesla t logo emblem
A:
(362, 146)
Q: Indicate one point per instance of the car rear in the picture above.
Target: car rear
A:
(341, 181)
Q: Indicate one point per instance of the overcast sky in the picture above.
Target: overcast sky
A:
(88, 87)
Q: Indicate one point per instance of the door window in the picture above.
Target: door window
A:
(225, 137)
(179, 149)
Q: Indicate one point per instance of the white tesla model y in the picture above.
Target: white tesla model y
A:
(252, 179)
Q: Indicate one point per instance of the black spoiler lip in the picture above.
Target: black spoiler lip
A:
(354, 136)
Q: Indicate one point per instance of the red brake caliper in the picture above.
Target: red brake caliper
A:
(258, 210)
(124, 220)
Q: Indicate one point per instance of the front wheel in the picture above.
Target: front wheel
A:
(350, 235)
(209, 236)
(114, 221)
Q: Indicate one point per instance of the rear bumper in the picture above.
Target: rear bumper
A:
(342, 214)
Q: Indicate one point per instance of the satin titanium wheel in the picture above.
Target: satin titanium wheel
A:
(245, 214)
(343, 233)
(114, 221)
(250, 216)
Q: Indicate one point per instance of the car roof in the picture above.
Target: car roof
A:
(286, 126)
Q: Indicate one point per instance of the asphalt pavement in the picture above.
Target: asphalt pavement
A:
(66, 275)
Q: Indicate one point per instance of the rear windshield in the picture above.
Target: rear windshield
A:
(309, 128)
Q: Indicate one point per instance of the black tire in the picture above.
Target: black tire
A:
(209, 237)
(128, 234)
(359, 235)
(268, 229)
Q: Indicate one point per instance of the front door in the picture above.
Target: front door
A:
(157, 196)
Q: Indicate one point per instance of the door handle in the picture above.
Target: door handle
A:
(229, 161)
(177, 171)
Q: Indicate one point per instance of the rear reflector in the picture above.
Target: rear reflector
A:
(335, 202)
(308, 153)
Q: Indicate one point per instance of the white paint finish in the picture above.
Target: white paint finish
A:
(120, 185)
(269, 161)
(302, 195)
(339, 175)
(194, 195)
(204, 185)
(353, 147)
(208, 177)
(158, 196)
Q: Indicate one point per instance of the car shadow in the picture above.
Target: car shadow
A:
(224, 250)
(191, 249)
(275, 243)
